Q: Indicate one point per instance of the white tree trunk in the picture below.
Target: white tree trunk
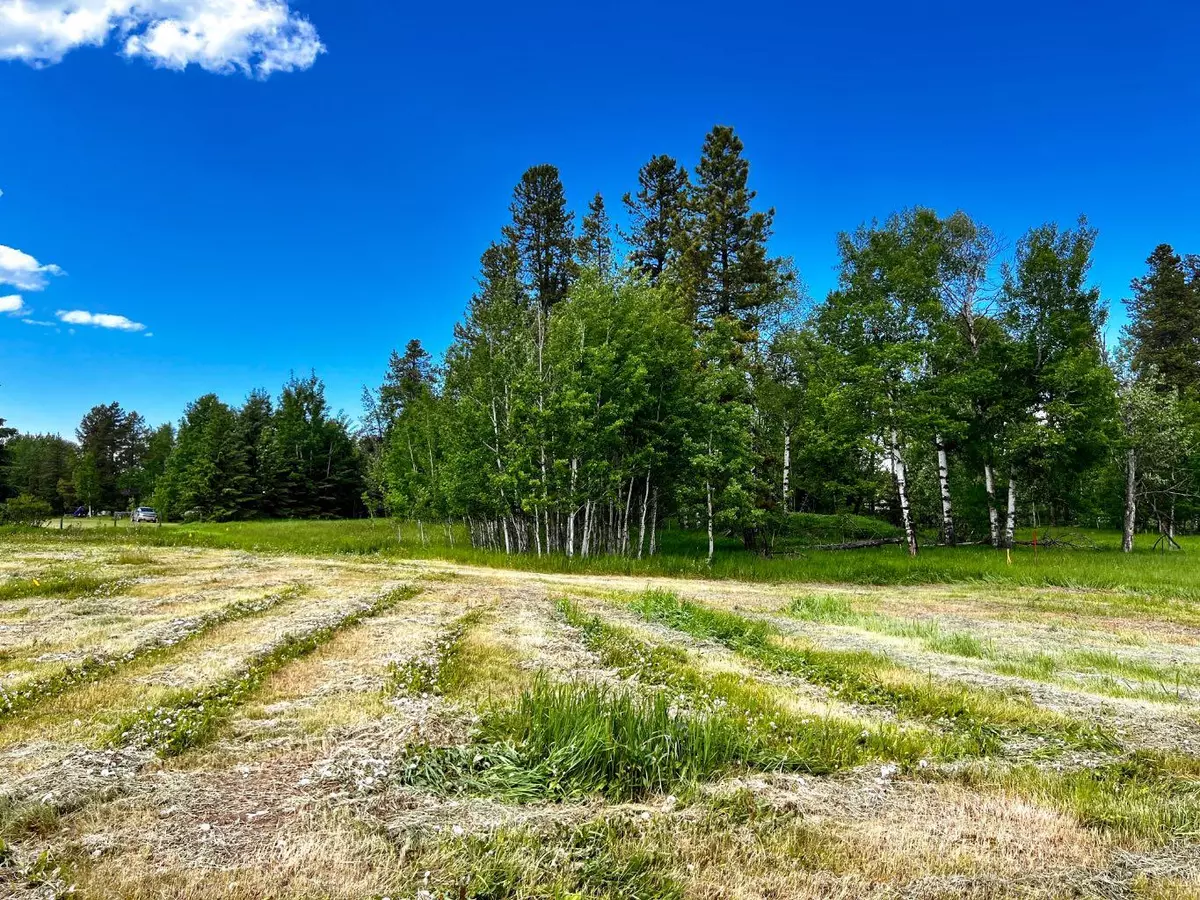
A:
(711, 545)
(645, 505)
(900, 471)
(944, 483)
(1010, 527)
(654, 525)
(787, 470)
(989, 480)
(1130, 501)
(574, 509)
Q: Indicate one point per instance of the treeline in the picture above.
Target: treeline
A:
(946, 384)
(289, 458)
(605, 383)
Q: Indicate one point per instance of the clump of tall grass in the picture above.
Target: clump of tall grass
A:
(569, 740)
(870, 679)
(842, 742)
(192, 717)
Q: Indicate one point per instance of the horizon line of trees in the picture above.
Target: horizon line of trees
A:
(605, 382)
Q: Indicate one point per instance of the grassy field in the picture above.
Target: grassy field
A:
(1095, 560)
(330, 710)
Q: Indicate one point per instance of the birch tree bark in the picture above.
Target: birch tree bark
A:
(944, 483)
(711, 545)
(900, 472)
(1130, 501)
(787, 469)
(989, 480)
(1010, 527)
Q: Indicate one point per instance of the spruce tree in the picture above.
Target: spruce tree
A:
(658, 213)
(1164, 315)
(731, 274)
(595, 241)
(542, 231)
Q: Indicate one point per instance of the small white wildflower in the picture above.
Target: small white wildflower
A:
(458, 830)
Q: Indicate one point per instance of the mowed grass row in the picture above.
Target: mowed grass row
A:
(1101, 672)
(86, 712)
(672, 726)
(870, 679)
(190, 718)
(28, 694)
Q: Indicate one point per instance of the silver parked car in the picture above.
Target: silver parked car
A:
(144, 514)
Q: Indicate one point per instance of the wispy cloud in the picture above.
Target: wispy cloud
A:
(22, 271)
(13, 305)
(39, 323)
(254, 37)
(98, 320)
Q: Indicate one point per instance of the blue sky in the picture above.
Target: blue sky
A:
(318, 217)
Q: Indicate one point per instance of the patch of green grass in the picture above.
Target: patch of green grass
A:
(1142, 581)
(96, 668)
(1146, 797)
(832, 610)
(191, 718)
(871, 679)
(563, 741)
(606, 859)
(66, 587)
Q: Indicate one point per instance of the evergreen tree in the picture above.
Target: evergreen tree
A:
(542, 232)
(658, 214)
(207, 473)
(730, 272)
(311, 454)
(6, 434)
(39, 466)
(595, 241)
(115, 441)
(254, 425)
(1164, 319)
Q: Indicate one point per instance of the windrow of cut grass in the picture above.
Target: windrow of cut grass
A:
(846, 742)
(439, 668)
(191, 718)
(674, 727)
(96, 668)
(1096, 671)
(874, 680)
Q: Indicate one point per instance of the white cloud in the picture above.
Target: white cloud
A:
(21, 270)
(13, 305)
(254, 37)
(98, 320)
(40, 324)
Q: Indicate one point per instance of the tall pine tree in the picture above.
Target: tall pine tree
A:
(731, 274)
(658, 214)
(1164, 319)
(542, 231)
(595, 240)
